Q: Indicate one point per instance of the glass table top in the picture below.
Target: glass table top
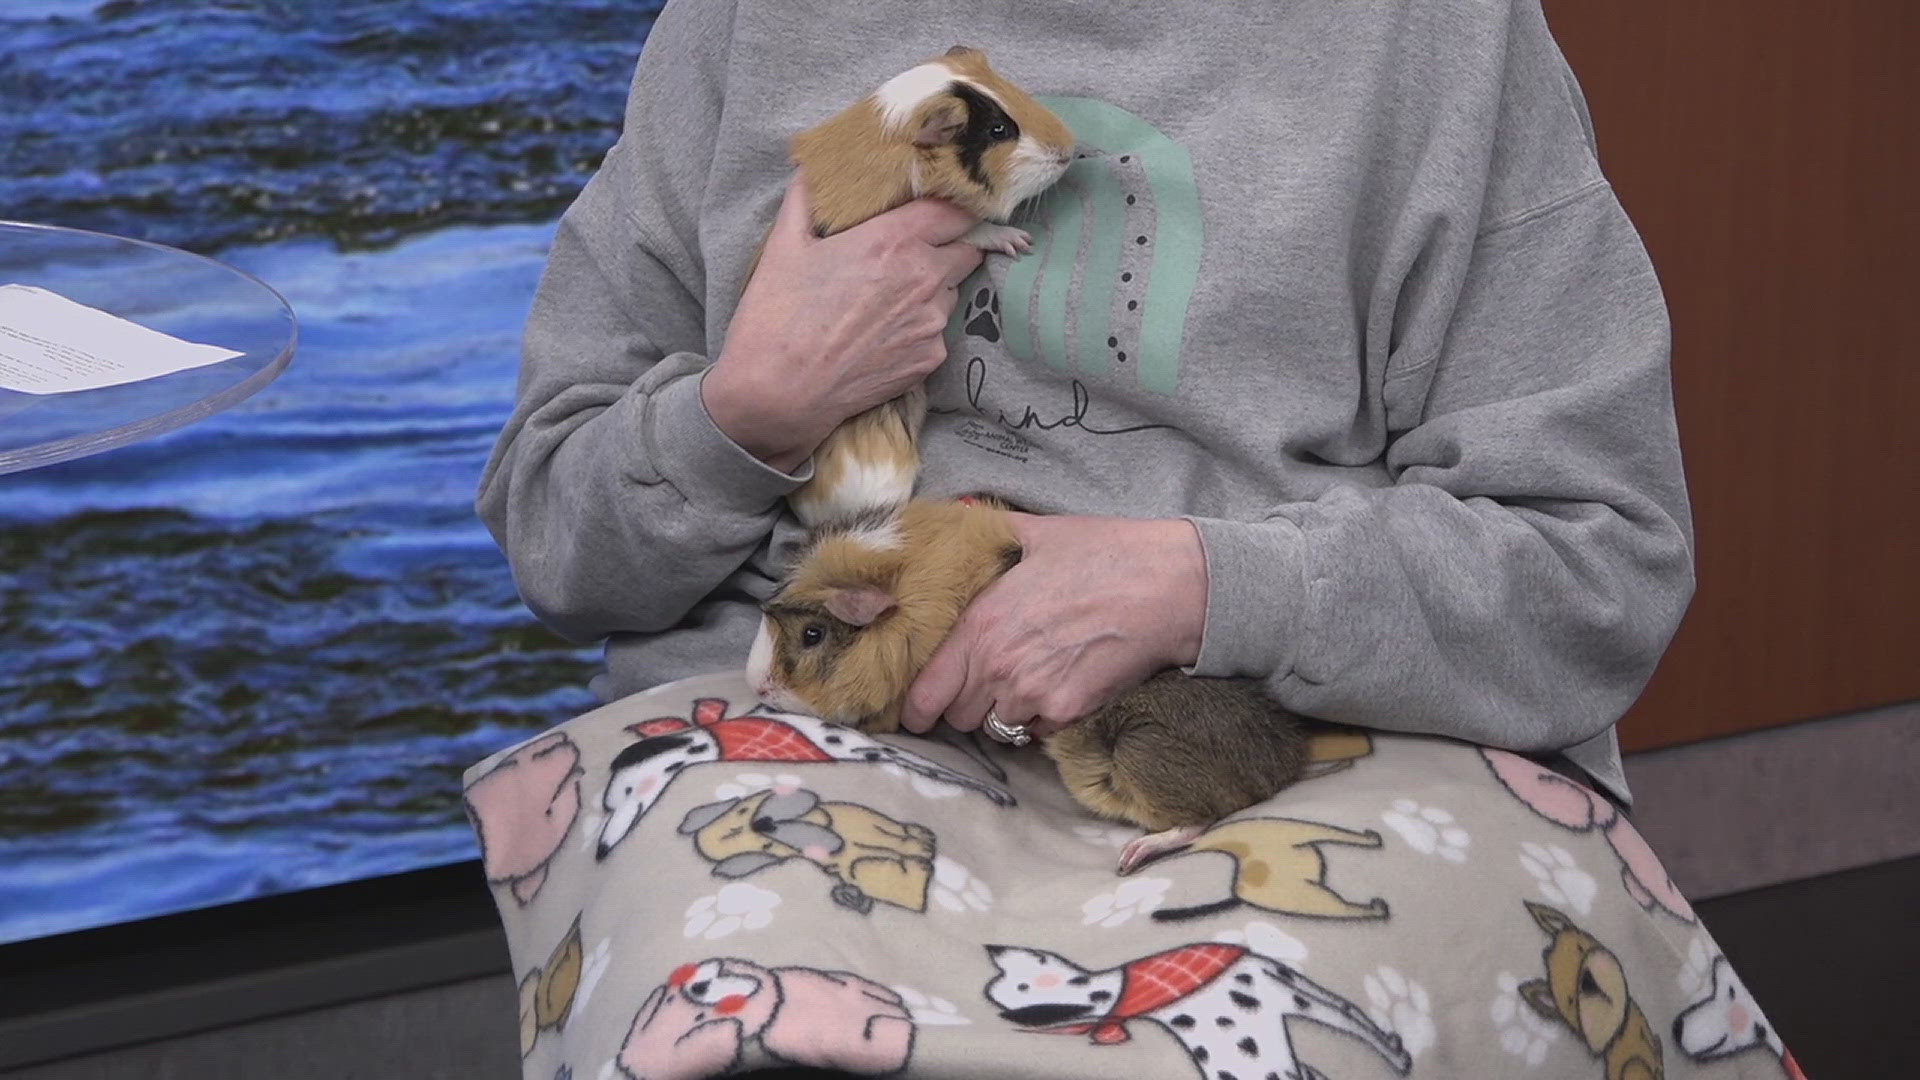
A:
(162, 288)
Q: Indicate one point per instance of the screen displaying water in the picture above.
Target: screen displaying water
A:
(253, 656)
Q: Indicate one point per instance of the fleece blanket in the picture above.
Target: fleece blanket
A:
(693, 885)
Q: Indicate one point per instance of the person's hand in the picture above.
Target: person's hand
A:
(828, 328)
(1095, 606)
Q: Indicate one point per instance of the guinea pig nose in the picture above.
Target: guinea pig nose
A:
(763, 825)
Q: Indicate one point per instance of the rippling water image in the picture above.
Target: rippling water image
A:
(254, 655)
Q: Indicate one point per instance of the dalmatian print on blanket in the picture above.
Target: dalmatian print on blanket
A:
(695, 885)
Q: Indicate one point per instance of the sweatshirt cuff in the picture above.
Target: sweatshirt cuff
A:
(1256, 598)
(703, 463)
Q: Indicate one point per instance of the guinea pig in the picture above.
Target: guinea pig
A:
(952, 128)
(865, 605)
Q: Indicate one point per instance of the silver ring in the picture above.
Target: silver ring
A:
(1012, 734)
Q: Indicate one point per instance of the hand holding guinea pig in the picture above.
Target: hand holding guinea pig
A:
(867, 607)
(1095, 606)
(865, 318)
(829, 327)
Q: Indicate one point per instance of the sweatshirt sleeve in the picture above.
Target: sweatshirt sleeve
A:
(617, 500)
(1516, 582)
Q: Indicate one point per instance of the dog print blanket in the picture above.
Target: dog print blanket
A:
(695, 885)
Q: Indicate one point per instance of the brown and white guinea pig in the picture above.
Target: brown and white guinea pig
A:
(864, 607)
(952, 128)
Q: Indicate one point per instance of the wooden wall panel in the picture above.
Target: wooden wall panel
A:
(1767, 151)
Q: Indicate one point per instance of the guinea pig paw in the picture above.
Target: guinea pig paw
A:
(1144, 849)
(1004, 239)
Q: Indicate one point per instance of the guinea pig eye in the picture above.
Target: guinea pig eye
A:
(812, 636)
(999, 131)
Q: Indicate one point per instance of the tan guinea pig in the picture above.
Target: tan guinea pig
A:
(865, 606)
(951, 128)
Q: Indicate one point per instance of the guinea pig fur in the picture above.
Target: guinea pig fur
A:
(952, 128)
(865, 606)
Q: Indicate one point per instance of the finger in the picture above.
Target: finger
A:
(1018, 712)
(957, 261)
(1026, 529)
(793, 223)
(935, 221)
(1040, 726)
(976, 695)
(934, 688)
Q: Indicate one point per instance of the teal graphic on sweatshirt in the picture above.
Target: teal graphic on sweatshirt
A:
(1116, 254)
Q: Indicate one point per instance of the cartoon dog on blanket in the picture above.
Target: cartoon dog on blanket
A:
(644, 770)
(1727, 1021)
(698, 1023)
(872, 856)
(1586, 989)
(1227, 1005)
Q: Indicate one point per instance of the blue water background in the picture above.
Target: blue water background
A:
(254, 655)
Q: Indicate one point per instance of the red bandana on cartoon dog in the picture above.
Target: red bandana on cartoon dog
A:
(1155, 982)
(741, 738)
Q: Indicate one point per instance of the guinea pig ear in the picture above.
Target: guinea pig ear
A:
(942, 123)
(860, 605)
(961, 50)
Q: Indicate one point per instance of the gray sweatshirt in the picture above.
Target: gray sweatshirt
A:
(1341, 283)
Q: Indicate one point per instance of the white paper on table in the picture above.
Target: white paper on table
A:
(52, 345)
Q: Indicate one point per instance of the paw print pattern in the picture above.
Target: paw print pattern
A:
(1523, 1033)
(928, 1010)
(1268, 940)
(1135, 896)
(957, 889)
(1113, 836)
(1561, 880)
(925, 787)
(747, 783)
(737, 906)
(1402, 1006)
(983, 314)
(1428, 830)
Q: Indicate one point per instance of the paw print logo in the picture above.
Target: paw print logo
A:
(983, 314)
(1268, 940)
(1402, 1006)
(928, 1010)
(923, 786)
(1135, 896)
(747, 783)
(1561, 880)
(593, 966)
(1113, 836)
(1428, 830)
(957, 889)
(737, 906)
(1523, 1033)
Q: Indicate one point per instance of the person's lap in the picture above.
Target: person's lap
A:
(690, 884)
